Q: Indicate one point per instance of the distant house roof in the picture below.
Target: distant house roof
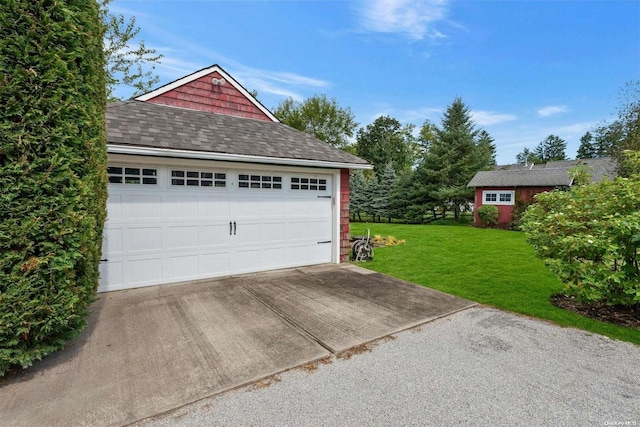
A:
(544, 175)
(161, 128)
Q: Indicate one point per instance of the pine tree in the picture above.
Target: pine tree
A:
(587, 149)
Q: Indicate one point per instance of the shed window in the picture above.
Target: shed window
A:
(497, 197)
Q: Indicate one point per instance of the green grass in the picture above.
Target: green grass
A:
(492, 267)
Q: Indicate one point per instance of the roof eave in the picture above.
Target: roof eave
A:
(226, 157)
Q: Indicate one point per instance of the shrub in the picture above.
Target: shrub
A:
(489, 215)
(52, 173)
(589, 237)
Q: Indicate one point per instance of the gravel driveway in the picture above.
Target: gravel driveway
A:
(480, 366)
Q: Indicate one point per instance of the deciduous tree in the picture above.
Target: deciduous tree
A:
(319, 116)
(386, 141)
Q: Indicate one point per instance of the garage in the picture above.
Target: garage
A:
(180, 222)
(204, 182)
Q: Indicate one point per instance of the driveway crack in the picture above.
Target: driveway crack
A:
(289, 320)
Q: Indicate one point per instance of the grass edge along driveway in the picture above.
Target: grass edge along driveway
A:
(492, 267)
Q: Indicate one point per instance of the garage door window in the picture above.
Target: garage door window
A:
(311, 184)
(132, 175)
(260, 181)
(184, 178)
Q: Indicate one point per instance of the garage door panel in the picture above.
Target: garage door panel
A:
(297, 230)
(182, 267)
(181, 207)
(143, 238)
(215, 235)
(245, 260)
(182, 237)
(114, 207)
(112, 241)
(320, 253)
(111, 273)
(297, 207)
(273, 232)
(298, 254)
(143, 271)
(246, 233)
(320, 229)
(214, 208)
(273, 208)
(245, 207)
(138, 206)
(215, 263)
(273, 257)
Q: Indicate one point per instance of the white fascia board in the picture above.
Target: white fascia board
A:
(202, 155)
(195, 76)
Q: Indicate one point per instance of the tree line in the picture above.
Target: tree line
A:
(415, 176)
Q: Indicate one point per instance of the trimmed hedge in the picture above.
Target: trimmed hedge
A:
(52, 173)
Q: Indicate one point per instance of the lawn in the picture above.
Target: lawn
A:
(492, 267)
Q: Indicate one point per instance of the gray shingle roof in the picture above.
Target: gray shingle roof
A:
(548, 175)
(143, 124)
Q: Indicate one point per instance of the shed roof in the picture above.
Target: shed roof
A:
(544, 175)
(146, 125)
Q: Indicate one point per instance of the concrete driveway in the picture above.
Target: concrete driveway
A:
(150, 350)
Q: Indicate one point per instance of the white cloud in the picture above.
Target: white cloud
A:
(416, 18)
(551, 110)
(488, 118)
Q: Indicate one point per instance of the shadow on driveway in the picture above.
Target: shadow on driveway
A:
(150, 350)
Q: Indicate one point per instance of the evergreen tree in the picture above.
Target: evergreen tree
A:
(451, 160)
(357, 194)
(587, 149)
(486, 151)
(382, 193)
(552, 148)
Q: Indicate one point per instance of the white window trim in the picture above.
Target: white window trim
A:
(498, 193)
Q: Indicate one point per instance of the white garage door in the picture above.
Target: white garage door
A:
(170, 224)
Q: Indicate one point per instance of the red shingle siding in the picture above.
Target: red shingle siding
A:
(344, 215)
(202, 95)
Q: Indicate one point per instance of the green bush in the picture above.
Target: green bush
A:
(52, 173)
(489, 215)
(590, 236)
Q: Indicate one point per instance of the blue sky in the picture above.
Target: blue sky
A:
(527, 69)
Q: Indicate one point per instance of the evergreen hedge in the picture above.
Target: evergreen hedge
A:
(52, 173)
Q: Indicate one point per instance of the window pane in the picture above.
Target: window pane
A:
(131, 171)
(206, 183)
(177, 182)
(222, 176)
(221, 184)
(255, 185)
(295, 186)
(304, 187)
(278, 179)
(243, 177)
(132, 180)
(192, 182)
(277, 186)
(206, 175)
(192, 174)
(266, 185)
(266, 178)
(313, 181)
(243, 185)
(177, 173)
(304, 180)
(313, 187)
(149, 172)
(323, 181)
(323, 187)
(114, 170)
(115, 179)
(149, 181)
(297, 180)
(255, 177)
